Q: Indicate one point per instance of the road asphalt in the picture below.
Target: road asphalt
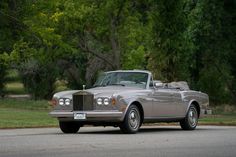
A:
(151, 141)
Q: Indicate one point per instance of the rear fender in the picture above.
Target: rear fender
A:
(189, 104)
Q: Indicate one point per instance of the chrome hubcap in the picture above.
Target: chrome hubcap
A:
(134, 119)
(192, 117)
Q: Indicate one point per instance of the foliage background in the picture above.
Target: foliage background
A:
(73, 40)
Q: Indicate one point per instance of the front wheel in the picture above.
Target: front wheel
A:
(132, 121)
(191, 119)
(69, 127)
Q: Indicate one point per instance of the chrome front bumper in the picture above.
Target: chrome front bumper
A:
(90, 115)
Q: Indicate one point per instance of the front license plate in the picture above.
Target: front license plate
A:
(79, 116)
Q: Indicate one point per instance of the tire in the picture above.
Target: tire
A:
(69, 127)
(191, 119)
(132, 121)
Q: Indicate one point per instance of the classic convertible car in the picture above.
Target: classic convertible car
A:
(127, 99)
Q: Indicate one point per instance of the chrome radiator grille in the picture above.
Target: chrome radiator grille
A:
(83, 101)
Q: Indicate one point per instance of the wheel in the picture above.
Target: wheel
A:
(132, 121)
(69, 127)
(191, 119)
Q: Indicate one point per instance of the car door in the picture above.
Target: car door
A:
(163, 103)
(178, 102)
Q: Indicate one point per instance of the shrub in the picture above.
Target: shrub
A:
(38, 78)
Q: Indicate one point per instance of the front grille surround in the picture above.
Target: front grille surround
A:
(83, 101)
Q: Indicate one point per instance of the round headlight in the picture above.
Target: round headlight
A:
(106, 101)
(61, 101)
(99, 101)
(67, 101)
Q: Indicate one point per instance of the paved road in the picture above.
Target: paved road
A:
(152, 141)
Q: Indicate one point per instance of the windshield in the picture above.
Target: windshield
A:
(130, 79)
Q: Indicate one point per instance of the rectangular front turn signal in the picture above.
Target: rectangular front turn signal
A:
(113, 101)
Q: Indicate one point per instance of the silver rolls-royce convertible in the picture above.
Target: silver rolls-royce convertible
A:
(127, 99)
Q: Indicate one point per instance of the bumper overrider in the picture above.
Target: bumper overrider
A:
(93, 116)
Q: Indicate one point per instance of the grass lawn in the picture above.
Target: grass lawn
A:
(15, 88)
(17, 118)
(223, 119)
(25, 113)
(24, 104)
(14, 84)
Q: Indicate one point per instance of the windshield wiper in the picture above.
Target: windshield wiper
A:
(116, 84)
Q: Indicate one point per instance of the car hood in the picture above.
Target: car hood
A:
(100, 91)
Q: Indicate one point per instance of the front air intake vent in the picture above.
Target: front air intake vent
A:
(83, 101)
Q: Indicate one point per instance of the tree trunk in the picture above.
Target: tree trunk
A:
(115, 45)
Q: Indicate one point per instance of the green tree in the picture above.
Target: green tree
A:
(104, 34)
(35, 53)
(80, 37)
(10, 29)
(109, 33)
(37, 70)
(74, 40)
(169, 56)
(211, 33)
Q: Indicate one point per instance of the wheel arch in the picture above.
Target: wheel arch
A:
(140, 107)
(196, 104)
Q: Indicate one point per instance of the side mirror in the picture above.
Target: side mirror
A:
(158, 84)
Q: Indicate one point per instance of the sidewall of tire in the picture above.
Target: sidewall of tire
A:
(185, 124)
(125, 127)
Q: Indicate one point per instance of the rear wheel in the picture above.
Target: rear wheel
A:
(191, 119)
(69, 127)
(132, 120)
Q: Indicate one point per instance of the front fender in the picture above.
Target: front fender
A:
(129, 102)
